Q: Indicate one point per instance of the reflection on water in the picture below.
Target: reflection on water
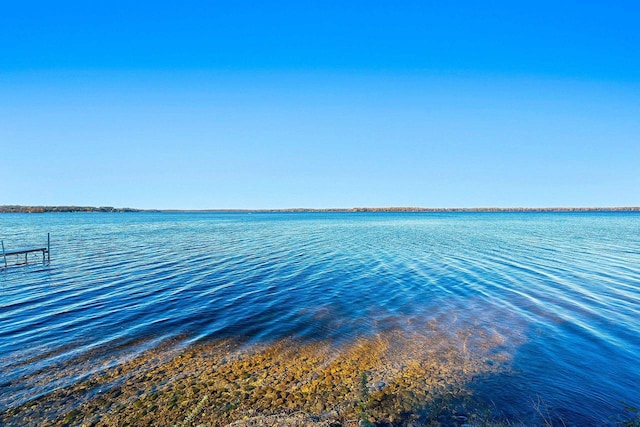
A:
(555, 294)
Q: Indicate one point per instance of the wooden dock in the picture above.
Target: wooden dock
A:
(45, 250)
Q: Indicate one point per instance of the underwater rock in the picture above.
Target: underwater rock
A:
(388, 379)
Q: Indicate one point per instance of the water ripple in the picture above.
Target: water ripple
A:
(565, 286)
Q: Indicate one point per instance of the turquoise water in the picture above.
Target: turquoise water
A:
(561, 289)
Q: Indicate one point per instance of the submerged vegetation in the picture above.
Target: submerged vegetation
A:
(390, 379)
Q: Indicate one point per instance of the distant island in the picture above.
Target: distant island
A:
(44, 209)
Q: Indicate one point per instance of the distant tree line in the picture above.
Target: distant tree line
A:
(418, 209)
(436, 210)
(43, 209)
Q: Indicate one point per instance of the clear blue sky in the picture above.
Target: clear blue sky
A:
(248, 104)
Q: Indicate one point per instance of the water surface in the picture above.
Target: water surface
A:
(562, 290)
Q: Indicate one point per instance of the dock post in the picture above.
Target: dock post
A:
(48, 247)
(4, 255)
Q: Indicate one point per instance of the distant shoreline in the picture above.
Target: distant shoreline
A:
(48, 209)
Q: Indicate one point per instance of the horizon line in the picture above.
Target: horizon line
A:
(77, 208)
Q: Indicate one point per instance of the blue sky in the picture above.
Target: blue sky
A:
(246, 104)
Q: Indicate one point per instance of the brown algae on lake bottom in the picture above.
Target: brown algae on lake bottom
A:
(394, 378)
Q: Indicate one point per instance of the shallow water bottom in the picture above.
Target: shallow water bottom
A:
(424, 377)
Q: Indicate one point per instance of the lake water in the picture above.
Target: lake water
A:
(561, 289)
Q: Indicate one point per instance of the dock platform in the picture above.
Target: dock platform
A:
(45, 250)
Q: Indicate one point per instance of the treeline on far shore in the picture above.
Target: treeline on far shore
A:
(43, 209)
(436, 210)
